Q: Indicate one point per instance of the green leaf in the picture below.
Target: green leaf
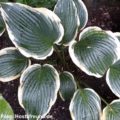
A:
(67, 85)
(2, 26)
(112, 112)
(38, 89)
(6, 111)
(67, 12)
(95, 51)
(4, 0)
(39, 3)
(33, 32)
(113, 78)
(85, 105)
(82, 13)
(12, 64)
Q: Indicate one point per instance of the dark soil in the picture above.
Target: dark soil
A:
(106, 17)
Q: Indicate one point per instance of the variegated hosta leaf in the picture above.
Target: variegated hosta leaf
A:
(12, 64)
(38, 89)
(95, 52)
(6, 112)
(67, 85)
(112, 112)
(67, 12)
(82, 13)
(33, 32)
(2, 25)
(113, 78)
(85, 105)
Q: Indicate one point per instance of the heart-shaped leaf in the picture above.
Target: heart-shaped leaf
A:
(113, 78)
(12, 64)
(112, 111)
(38, 89)
(82, 13)
(95, 52)
(67, 12)
(2, 26)
(85, 105)
(33, 32)
(6, 112)
(67, 85)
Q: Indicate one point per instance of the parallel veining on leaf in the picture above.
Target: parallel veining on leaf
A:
(33, 32)
(12, 64)
(95, 52)
(38, 89)
(67, 12)
(85, 105)
(67, 85)
(112, 112)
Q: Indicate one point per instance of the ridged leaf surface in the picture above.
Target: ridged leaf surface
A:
(33, 32)
(112, 112)
(82, 13)
(95, 51)
(12, 64)
(38, 89)
(67, 85)
(2, 25)
(85, 105)
(67, 12)
(113, 78)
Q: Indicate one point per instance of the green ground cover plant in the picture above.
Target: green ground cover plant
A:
(38, 32)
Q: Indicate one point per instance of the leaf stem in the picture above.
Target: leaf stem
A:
(59, 55)
(99, 95)
(63, 54)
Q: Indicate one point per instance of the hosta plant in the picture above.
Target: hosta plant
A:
(37, 33)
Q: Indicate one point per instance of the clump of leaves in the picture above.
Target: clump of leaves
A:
(38, 32)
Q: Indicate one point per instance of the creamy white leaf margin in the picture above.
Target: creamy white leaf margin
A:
(48, 14)
(7, 79)
(112, 116)
(78, 63)
(78, 4)
(20, 89)
(98, 103)
(73, 80)
(57, 7)
(2, 24)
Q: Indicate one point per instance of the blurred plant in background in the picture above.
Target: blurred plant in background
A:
(39, 3)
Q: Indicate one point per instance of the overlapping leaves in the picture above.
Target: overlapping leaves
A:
(31, 31)
(82, 13)
(95, 52)
(67, 12)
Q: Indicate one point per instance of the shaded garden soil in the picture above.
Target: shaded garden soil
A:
(106, 17)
